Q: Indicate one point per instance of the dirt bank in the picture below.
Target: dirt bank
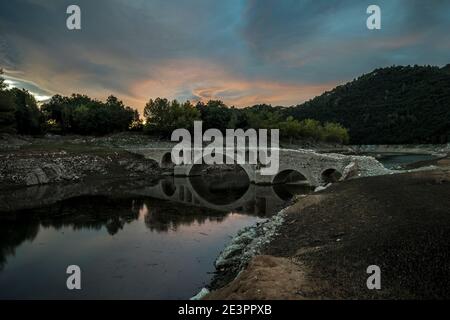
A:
(400, 223)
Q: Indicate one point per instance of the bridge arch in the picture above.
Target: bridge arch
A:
(168, 188)
(289, 176)
(166, 161)
(196, 168)
(330, 175)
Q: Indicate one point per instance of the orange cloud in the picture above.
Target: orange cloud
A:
(201, 81)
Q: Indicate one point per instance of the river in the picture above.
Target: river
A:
(156, 241)
(130, 246)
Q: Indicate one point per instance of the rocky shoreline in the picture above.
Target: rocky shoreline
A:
(242, 248)
(247, 244)
(27, 161)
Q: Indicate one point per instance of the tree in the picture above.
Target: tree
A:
(263, 116)
(58, 113)
(2, 81)
(7, 119)
(311, 128)
(334, 132)
(290, 129)
(120, 116)
(83, 115)
(163, 117)
(215, 114)
(156, 114)
(27, 114)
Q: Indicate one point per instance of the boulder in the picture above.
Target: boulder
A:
(53, 172)
(37, 176)
(350, 171)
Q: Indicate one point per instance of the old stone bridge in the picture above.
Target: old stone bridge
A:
(311, 167)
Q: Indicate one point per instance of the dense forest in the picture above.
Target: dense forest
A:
(393, 105)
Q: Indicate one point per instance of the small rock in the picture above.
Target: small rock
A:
(321, 188)
(200, 295)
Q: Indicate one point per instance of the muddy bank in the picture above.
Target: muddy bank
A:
(326, 242)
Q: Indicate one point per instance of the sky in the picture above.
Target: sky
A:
(244, 52)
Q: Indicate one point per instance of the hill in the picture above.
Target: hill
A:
(395, 105)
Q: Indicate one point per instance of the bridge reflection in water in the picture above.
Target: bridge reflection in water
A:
(137, 239)
(163, 205)
(220, 194)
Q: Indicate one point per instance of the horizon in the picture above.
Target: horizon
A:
(45, 99)
(241, 52)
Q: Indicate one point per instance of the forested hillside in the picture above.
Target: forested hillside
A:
(388, 106)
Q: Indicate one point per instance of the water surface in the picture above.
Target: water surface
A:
(396, 161)
(154, 241)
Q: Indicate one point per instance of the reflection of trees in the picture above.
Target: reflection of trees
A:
(13, 233)
(78, 213)
(94, 213)
(165, 216)
(114, 213)
(91, 213)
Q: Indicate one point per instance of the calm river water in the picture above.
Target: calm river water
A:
(131, 241)
(155, 242)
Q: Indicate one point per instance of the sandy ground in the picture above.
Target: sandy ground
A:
(400, 223)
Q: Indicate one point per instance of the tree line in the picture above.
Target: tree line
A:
(163, 116)
(395, 105)
(80, 114)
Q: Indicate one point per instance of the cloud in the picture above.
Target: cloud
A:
(197, 80)
(40, 94)
(240, 51)
(328, 40)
